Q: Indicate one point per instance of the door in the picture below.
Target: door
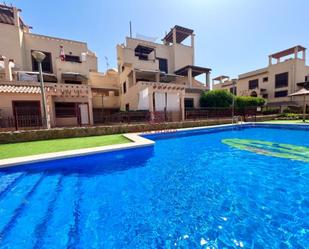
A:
(84, 114)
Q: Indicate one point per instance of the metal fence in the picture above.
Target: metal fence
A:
(136, 117)
(21, 122)
(18, 122)
(207, 113)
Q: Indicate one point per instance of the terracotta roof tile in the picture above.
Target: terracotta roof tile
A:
(19, 89)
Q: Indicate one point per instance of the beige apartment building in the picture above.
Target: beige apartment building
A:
(68, 69)
(160, 76)
(224, 82)
(285, 74)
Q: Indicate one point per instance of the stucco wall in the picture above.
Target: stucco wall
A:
(10, 45)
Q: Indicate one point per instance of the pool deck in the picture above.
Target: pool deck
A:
(136, 138)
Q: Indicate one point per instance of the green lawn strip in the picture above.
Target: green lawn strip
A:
(56, 145)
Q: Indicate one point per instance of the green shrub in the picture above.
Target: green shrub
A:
(216, 98)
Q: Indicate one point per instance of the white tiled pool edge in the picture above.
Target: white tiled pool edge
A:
(136, 138)
(137, 141)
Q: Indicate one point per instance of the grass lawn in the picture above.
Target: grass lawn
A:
(56, 145)
(298, 121)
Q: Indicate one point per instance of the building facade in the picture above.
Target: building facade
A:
(285, 74)
(225, 83)
(67, 70)
(160, 77)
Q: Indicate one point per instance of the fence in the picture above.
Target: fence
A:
(206, 113)
(20, 121)
(136, 117)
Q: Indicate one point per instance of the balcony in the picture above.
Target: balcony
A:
(128, 57)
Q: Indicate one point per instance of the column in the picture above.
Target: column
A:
(295, 53)
(158, 77)
(90, 110)
(150, 95)
(208, 80)
(182, 107)
(270, 60)
(190, 77)
(174, 36)
(304, 55)
(134, 77)
(7, 70)
(192, 46)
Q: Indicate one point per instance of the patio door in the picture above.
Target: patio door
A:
(27, 113)
(84, 114)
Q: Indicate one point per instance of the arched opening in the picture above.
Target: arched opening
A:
(253, 94)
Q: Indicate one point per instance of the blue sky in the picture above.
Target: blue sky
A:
(232, 36)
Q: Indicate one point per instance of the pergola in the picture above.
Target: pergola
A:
(178, 33)
(193, 71)
(293, 50)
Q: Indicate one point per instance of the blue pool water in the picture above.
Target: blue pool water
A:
(188, 191)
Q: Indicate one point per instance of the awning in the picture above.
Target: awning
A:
(73, 76)
(195, 70)
(28, 76)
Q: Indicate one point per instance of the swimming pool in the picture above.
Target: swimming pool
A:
(190, 190)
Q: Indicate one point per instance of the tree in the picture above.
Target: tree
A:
(241, 102)
(216, 98)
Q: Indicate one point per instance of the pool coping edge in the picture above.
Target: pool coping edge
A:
(137, 140)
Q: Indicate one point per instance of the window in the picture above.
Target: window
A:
(233, 90)
(306, 78)
(127, 107)
(122, 69)
(124, 87)
(163, 65)
(253, 84)
(280, 94)
(281, 80)
(265, 96)
(65, 109)
(47, 66)
(189, 103)
(72, 58)
(265, 79)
